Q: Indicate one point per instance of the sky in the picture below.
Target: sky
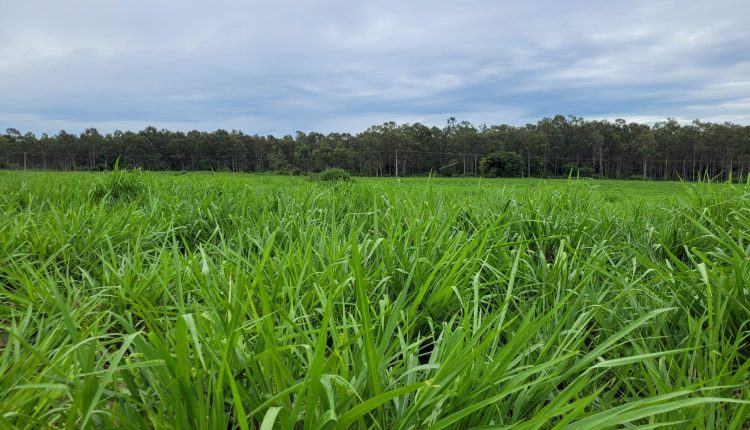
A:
(276, 67)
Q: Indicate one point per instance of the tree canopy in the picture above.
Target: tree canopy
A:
(551, 147)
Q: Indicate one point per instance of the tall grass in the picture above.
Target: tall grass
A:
(219, 301)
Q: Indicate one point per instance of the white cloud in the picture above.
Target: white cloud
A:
(335, 65)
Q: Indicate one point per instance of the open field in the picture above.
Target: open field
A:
(207, 301)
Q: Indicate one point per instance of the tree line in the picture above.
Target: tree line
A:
(552, 147)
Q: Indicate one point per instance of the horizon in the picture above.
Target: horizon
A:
(105, 132)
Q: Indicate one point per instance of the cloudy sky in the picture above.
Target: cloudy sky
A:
(282, 66)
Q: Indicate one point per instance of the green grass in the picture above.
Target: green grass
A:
(214, 301)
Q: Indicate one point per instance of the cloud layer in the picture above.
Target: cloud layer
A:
(281, 66)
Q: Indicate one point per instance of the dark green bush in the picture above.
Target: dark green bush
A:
(333, 175)
(501, 163)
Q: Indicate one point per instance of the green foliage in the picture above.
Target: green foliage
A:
(549, 148)
(333, 175)
(501, 164)
(229, 301)
(119, 185)
(287, 172)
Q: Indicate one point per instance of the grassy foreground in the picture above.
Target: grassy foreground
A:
(230, 301)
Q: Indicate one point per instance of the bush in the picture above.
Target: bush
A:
(501, 163)
(333, 175)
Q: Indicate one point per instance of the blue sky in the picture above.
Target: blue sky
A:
(282, 66)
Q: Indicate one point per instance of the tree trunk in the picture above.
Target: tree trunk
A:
(528, 164)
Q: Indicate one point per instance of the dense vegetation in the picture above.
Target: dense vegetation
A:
(213, 301)
(551, 147)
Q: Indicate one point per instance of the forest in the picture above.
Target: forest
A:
(553, 147)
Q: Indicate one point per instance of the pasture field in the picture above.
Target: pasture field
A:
(218, 301)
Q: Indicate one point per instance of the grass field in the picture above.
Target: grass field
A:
(215, 301)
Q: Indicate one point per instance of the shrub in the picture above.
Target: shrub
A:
(333, 175)
(501, 163)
